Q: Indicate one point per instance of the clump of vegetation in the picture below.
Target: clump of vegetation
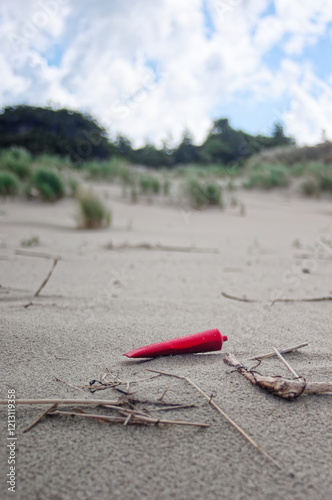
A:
(205, 171)
(267, 177)
(16, 160)
(299, 169)
(124, 172)
(196, 193)
(30, 242)
(292, 155)
(166, 185)
(133, 187)
(106, 170)
(93, 212)
(48, 184)
(9, 184)
(149, 184)
(201, 194)
(51, 161)
(109, 170)
(213, 193)
(310, 187)
(325, 180)
(317, 179)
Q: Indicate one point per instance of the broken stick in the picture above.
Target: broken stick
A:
(47, 278)
(136, 419)
(41, 255)
(159, 246)
(212, 403)
(80, 402)
(282, 351)
(279, 386)
(309, 299)
(40, 417)
(288, 366)
(240, 299)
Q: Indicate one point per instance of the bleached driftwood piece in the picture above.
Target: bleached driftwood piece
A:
(282, 351)
(279, 386)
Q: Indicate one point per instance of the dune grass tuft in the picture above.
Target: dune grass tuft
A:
(149, 184)
(48, 184)
(93, 213)
(202, 194)
(9, 184)
(267, 177)
(115, 168)
(17, 161)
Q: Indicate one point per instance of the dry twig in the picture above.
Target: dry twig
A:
(43, 256)
(27, 253)
(47, 278)
(279, 386)
(81, 402)
(115, 383)
(288, 366)
(173, 407)
(136, 418)
(309, 299)
(69, 385)
(282, 351)
(158, 402)
(40, 417)
(212, 403)
(240, 299)
(164, 393)
(158, 246)
(128, 415)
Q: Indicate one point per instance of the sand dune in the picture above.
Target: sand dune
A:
(103, 301)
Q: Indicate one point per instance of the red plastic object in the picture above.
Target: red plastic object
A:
(211, 340)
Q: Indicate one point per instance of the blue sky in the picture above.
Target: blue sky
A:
(54, 54)
(209, 27)
(150, 69)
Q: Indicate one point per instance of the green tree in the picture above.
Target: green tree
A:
(223, 143)
(61, 132)
(186, 152)
(279, 138)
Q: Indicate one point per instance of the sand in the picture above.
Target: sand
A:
(101, 303)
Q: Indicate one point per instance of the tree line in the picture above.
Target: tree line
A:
(67, 133)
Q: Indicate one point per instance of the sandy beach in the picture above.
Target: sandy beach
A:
(102, 301)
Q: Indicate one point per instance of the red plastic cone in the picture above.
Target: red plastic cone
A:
(211, 340)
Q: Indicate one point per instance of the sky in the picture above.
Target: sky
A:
(152, 69)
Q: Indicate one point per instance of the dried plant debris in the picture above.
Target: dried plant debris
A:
(219, 410)
(277, 385)
(124, 411)
(158, 246)
(127, 416)
(127, 409)
(44, 283)
(305, 299)
(282, 351)
(55, 261)
(112, 381)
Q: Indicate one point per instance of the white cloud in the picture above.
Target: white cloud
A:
(311, 109)
(145, 67)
